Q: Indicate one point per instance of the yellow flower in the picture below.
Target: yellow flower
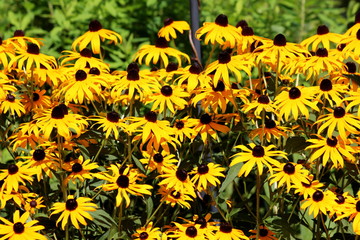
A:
(12, 105)
(264, 233)
(172, 197)
(158, 161)
(319, 202)
(21, 228)
(228, 232)
(15, 174)
(207, 126)
(93, 37)
(306, 189)
(183, 128)
(83, 59)
(75, 209)
(79, 169)
(192, 76)
(147, 232)
(206, 175)
(272, 129)
(32, 204)
(111, 124)
(186, 232)
(37, 100)
(323, 36)
(170, 26)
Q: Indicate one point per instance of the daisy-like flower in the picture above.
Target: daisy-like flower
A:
(79, 169)
(332, 93)
(31, 205)
(170, 26)
(331, 148)
(12, 105)
(19, 40)
(169, 97)
(77, 209)
(111, 124)
(6, 53)
(319, 202)
(307, 190)
(264, 233)
(293, 102)
(219, 32)
(207, 126)
(341, 120)
(36, 101)
(192, 76)
(352, 48)
(147, 232)
(32, 58)
(6, 85)
(172, 197)
(258, 155)
(271, 129)
(289, 173)
(185, 232)
(323, 36)
(206, 175)
(83, 59)
(94, 35)
(159, 51)
(21, 228)
(178, 179)
(227, 63)
(158, 161)
(125, 182)
(247, 39)
(263, 103)
(228, 232)
(353, 30)
(183, 128)
(353, 100)
(15, 174)
(340, 200)
(352, 210)
(205, 224)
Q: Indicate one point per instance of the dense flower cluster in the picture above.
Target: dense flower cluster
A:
(87, 140)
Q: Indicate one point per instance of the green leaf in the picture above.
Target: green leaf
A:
(102, 218)
(149, 206)
(231, 175)
(353, 77)
(138, 164)
(295, 144)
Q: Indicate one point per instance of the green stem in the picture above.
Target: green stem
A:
(326, 230)
(153, 214)
(258, 186)
(294, 207)
(120, 217)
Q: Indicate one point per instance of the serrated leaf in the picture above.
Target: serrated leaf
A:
(231, 175)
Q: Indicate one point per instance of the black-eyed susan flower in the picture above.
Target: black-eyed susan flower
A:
(75, 209)
(264, 233)
(31, 205)
(207, 126)
(12, 104)
(308, 189)
(15, 174)
(173, 197)
(158, 161)
(323, 36)
(329, 92)
(262, 103)
(19, 40)
(177, 179)
(352, 48)
(258, 155)
(94, 35)
(319, 202)
(352, 210)
(83, 59)
(332, 148)
(6, 85)
(207, 175)
(37, 100)
(339, 119)
(125, 182)
(192, 76)
(247, 39)
(289, 173)
(159, 51)
(6, 53)
(183, 128)
(111, 124)
(21, 228)
(272, 129)
(32, 58)
(147, 232)
(219, 32)
(294, 102)
(168, 30)
(186, 232)
(80, 169)
(353, 99)
(228, 232)
(353, 30)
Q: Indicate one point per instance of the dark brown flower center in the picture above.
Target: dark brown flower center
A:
(222, 20)
(294, 93)
(166, 91)
(264, 99)
(151, 116)
(10, 98)
(143, 235)
(179, 124)
(339, 112)
(175, 194)
(57, 113)
(134, 66)
(258, 151)
(219, 87)
(18, 228)
(269, 123)
(181, 174)
(13, 169)
(242, 24)
(191, 231)
(203, 169)
(340, 199)
(86, 53)
(113, 117)
(94, 71)
(33, 49)
(225, 227)
(357, 17)
(307, 185)
(201, 221)
(161, 43)
(322, 29)
(224, 57)
(358, 206)
(263, 232)
(76, 168)
(133, 75)
(95, 26)
(33, 203)
(318, 196)
(195, 68)
(322, 52)
(39, 155)
(341, 47)
(205, 119)
(254, 45)
(35, 97)
(1, 41)
(332, 142)
(158, 158)
(19, 33)
(351, 67)
(280, 40)
(80, 75)
(289, 168)
(71, 204)
(325, 85)
(358, 34)
(247, 31)
(123, 181)
(168, 21)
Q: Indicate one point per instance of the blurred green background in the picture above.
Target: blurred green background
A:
(59, 22)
